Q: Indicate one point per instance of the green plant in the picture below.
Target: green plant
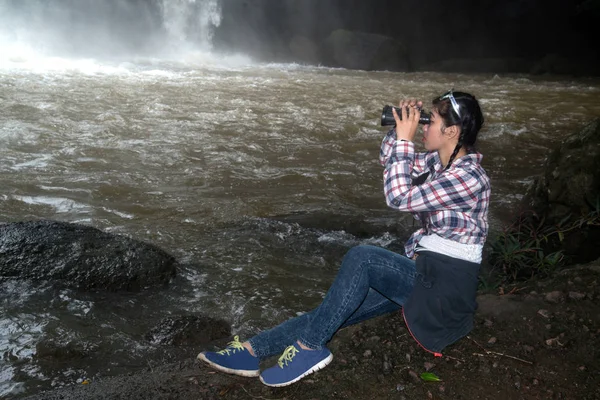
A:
(531, 247)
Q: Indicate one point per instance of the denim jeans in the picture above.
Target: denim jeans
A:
(372, 281)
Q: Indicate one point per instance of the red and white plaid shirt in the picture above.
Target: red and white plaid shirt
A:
(452, 204)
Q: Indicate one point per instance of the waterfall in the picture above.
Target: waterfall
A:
(107, 29)
(191, 21)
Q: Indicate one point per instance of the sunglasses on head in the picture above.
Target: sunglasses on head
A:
(450, 96)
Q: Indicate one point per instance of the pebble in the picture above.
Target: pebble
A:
(528, 349)
(399, 388)
(488, 323)
(492, 340)
(367, 353)
(429, 395)
(414, 376)
(407, 357)
(555, 297)
(544, 313)
(428, 366)
(576, 296)
(442, 388)
(582, 368)
(386, 367)
(374, 339)
(553, 342)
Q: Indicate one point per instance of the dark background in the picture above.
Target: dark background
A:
(554, 36)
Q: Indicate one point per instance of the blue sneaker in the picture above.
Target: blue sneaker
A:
(295, 364)
(235, 359)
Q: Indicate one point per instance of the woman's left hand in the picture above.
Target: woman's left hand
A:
(406, 128)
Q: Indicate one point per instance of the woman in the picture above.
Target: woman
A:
(435, 284)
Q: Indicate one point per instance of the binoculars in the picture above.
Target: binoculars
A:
(387, 117)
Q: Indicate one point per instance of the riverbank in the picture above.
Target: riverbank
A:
(535, 340)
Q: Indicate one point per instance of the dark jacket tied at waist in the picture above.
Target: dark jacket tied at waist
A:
(440, 309)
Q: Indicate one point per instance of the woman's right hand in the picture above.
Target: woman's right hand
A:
(406, 127)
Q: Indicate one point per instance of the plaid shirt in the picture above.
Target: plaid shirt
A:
(452, 204)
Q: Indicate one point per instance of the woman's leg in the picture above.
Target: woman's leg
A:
(392, 276)
(371, 281)
(363, 268)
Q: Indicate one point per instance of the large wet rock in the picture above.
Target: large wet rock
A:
(81, 257)
(366, 51)
(568, 192)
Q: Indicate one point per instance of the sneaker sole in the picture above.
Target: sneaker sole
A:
(316, 368)
(238, 372)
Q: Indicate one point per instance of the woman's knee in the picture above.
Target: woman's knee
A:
(357, 256)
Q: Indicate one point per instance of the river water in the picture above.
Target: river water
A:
(256, 176)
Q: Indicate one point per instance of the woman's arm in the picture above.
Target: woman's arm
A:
(453, 190)
(387, 149)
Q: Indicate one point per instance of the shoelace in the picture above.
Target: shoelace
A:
(232, 346)
(287, 356)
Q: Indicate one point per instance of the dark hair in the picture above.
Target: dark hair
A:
(470, 120)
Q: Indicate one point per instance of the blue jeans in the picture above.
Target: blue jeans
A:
(371, 282)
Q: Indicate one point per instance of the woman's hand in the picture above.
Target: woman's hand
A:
(406, 128)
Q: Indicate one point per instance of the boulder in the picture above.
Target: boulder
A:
(81, 257)
(478, 65)
(188, 331)
(568, 192)
(365, 51)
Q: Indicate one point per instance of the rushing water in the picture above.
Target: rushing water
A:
(257, 177)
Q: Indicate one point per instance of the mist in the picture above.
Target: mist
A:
(108, 29)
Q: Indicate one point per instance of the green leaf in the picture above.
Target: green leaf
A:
(429, 377)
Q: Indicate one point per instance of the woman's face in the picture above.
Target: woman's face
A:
(433, 138)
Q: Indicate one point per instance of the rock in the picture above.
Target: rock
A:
(386, 367)
(58, 351)
(81, 257)
(569, 189)
(553, 342)
(558, 64)
(366, 51)
(414, 376)
(576, 296)
(367, 353)
(555, 297)
(428, 366)
(188, 331)
(492, 340)
(505, 65)
(544, 313)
